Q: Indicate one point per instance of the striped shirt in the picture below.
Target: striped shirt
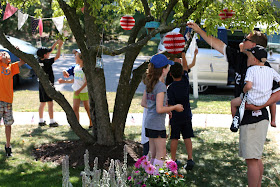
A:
(262, 78)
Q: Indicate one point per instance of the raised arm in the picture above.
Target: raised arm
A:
(212, 41)
(20, 63)
(194, 59)
(60, 42)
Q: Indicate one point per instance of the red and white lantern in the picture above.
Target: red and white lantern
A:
(174, 42)
(225, 13)
(127, 22)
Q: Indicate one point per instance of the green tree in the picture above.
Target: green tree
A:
(103, 12)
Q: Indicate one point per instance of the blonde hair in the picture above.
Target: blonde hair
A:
(152, 77)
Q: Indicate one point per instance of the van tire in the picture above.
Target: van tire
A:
(201, 88)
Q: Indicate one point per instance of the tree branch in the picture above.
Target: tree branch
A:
(166, 13)
(147, 9)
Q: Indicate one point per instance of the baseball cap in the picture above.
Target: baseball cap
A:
(160, 60)
(43, 50)
(77, 50)
(259, 52)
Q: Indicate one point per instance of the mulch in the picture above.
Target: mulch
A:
(55, 152)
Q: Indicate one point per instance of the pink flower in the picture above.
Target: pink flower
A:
(138, 164)
(150, 169)
(168, 163)
(173, 166)
(144, 185)
(145, 163)
(128, 178)
(143, 158)
(137, 171)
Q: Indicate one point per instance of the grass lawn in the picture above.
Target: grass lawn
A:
(215, 152)
(205, 104)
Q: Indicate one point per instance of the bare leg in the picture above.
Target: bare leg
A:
(254, 172)
(76, 107)
(188, 144)
(173, 148)
(234, 104)
(8, 130)
(86, 105)
(41, 109)
(261, 172)
(152, 147)
(50, 109)
(272, 109)
(160, 144)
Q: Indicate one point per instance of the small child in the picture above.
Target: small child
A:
(79, 86)
(258, 80)
(8, 70)
(181, 122)
(154, 99)
(46, 63)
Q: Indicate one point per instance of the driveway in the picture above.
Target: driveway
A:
(112, 70)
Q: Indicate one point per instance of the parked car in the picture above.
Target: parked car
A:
(26, 72)
(212, 67)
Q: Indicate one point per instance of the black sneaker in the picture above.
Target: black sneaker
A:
(54, 124)
(8, 151)
(178, 162)
(190, 164)
(42, 123)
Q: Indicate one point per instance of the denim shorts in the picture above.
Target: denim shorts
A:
(6, 112)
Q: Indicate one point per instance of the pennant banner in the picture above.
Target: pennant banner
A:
(34, 25)
(40, 27)
(9, 11)
(21, 19)
(58, 22)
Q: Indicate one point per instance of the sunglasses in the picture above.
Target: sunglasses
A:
(246, 39)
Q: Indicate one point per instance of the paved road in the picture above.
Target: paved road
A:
(112, 70)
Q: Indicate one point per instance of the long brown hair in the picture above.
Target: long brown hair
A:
(152, 77)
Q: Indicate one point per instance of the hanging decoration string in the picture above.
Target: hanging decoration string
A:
(99, 60)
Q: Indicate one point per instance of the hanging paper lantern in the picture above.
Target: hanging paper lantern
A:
(225, 13)
(174, 42)
(127, 22)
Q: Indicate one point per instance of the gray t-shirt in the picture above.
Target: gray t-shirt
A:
(154, 120)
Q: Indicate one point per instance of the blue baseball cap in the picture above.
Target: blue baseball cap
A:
(160, 60)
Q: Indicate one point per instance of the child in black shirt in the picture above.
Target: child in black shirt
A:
(46, 63)
(181, 122)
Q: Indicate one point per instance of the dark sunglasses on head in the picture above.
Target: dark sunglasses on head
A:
(246, 39)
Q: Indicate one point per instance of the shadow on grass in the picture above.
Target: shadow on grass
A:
(215, 152)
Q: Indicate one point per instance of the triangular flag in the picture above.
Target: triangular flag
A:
(40, 27)
(9, 11)
(34, 25)
(21, 19)
(58, 22)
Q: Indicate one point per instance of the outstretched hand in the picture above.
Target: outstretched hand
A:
(193, 25)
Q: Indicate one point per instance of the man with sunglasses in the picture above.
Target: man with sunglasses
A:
(237, 58)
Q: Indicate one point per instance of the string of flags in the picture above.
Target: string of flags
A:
(35, 23)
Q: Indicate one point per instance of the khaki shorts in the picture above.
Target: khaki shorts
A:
(6, 113)
(251, 139)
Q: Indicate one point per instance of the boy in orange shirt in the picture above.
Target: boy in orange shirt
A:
(7, 71)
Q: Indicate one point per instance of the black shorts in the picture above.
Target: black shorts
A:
(155, 133)
(43, 95)
(184, 128)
